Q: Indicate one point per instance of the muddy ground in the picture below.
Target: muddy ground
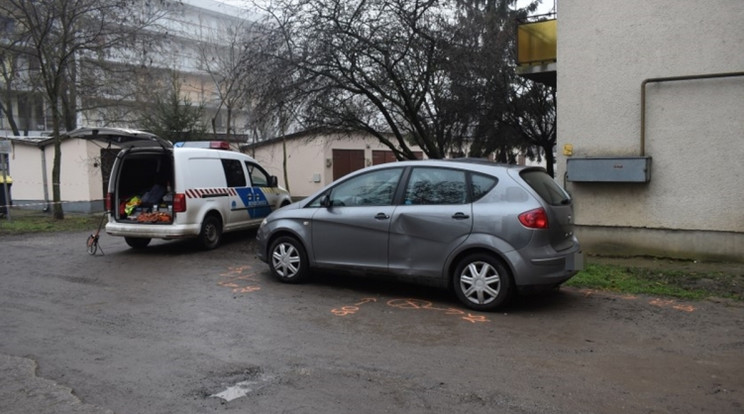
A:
(173, 329)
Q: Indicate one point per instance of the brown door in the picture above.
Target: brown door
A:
(346, 161)
(382, 156)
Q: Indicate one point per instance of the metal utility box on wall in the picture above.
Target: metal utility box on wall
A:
(609, 169)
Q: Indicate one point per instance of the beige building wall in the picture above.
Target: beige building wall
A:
(81, 185)
(310, 158)
(25, 169)
(693, 206)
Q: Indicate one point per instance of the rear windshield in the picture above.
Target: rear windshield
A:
(548, 189)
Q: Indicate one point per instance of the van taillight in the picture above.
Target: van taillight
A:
(534, 219)
(109, 201)
(179, 203)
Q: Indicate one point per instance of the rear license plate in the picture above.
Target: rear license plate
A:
(575, 261)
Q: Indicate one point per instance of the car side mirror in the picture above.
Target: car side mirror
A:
(273, 181)
(325, 201)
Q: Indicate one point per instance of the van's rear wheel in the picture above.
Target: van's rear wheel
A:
(137, 242)
(211, 233)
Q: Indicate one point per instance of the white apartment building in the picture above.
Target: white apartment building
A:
(84, 172)
(190, 25)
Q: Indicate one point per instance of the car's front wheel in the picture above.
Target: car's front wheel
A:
(288, 260)
(482, 282)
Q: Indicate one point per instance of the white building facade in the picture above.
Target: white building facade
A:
(189, 26)
(83, 172)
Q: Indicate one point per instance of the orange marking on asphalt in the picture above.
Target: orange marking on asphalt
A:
(408, 303)
(670, 303)
(475, 318)
(236, 278)
(661, 303)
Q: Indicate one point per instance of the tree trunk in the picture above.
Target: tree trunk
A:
(56, 166)
(69, 97)
(284, 162)
(9, 116)
(229, 120)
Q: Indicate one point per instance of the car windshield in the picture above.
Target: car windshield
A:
(548, 189)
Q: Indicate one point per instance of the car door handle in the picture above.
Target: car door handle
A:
(381, 216)
(460, 216)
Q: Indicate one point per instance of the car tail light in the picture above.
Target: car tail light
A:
(179, 203)
(534, 219)
(109, 201)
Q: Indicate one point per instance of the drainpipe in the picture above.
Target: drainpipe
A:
(672, 79)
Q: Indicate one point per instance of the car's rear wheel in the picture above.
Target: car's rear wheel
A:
(482, 282)
(211, 233)
(288, 260)
(137, 242)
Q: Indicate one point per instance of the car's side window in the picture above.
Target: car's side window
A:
(258, 176)
(375, 188)
(481, 185)
(436, 186)
(233, 173)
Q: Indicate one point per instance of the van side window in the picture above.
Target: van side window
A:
(259, 178)
(233, 173)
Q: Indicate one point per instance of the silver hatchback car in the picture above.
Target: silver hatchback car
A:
(487, 230)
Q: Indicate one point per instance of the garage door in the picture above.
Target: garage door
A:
(381, 157)
(346, 161)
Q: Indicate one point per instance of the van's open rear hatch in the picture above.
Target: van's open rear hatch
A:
(142, 182)
(123, 138)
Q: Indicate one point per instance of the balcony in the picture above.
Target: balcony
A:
(537, 49)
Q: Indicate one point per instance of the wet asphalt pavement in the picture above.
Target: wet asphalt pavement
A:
(173, 329)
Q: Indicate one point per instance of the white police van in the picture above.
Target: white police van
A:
(191, 190)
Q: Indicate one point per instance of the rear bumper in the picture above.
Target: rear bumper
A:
(549, 271)
(153, 231)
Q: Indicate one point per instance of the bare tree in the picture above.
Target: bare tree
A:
(435, 73)
(54, 35)
(9, 70)
(274, 86)
(223, 55)
(361, 65)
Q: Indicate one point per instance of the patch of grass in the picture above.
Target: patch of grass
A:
(36, 221)
(686, 285)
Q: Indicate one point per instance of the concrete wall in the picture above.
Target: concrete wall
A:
(694, 204)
